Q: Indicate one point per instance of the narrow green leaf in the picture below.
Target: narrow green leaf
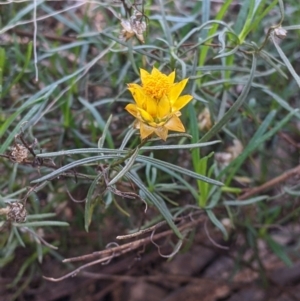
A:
(21, 73)
(247, 202)
(90, 202)
(127, 137)
(194, 131)
(23, 12)
(159, 164)
(259, 16)
(205, 16)
(42, 224)
(2, 66)
(126, 168)
(98, 119)
(200, 28)
(281, 8)
(180, 146)
(291, 192)
(212, 30)
(217, 223)
(268, 59)
(253, 144)
(82, 151)
(105, 132)
(73, 164)
(161, 206)
(252, 13)
(242, 17)
(283, 103)
(2, 57)
(279, 251)
(228, 53)
(40, 216)
(32, 101)
(18, 236)
(203, 186)
(292, 27)
(286, 60)
(205, 10)
(219, 125)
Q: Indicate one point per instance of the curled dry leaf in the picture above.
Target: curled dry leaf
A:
(231, 152)
(204, 120)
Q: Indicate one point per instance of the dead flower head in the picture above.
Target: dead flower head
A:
(19, 153)
(133, 27)
(15, 212)
(280, 32)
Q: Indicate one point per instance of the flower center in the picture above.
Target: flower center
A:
(156, 86)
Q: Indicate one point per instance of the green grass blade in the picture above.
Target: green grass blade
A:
(238, 103)
(90, 202)
(217, 223)
(212, 31)
(21, 73)
(161, 206)
(286, 61)
(247, 202)
(159, 164)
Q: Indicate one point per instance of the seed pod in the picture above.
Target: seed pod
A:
(280, 32)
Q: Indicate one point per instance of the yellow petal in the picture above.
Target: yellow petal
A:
(137, 93)
(145, 116)
(145, 130)
(151, 106)
(164, 107)
(143, 74)
(155, 72)
(176, 90)
(174, 124)
(171, 77)
(162, 132)
(132, 109)
(181, 102)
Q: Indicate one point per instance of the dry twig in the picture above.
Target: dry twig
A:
(108, 254)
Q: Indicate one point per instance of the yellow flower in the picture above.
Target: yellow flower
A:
(157, 103)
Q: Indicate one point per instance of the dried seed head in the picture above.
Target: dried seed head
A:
(16, 213)
(133, 26)
(280, 32)
(19, 153)
(127, 31)
(130, 29)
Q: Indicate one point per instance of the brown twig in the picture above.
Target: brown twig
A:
(131, 245)
(289, 139)
(111, 253)
(141, 232)
(283, 177)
